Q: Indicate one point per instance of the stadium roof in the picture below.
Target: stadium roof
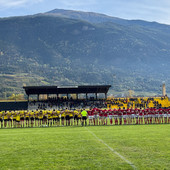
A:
(33, 90)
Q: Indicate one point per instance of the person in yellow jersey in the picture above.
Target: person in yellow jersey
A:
(71, 115)
(9, 119)
(18, 119)
(32, 118)
(22, 117)
(14, 116)
(40, 118)
(36, 117)
(5, 119)
(67, 117)
(54, 115)
(76, 117)
(49, 113)
(84, 117)
(1, 120)
(79, 115)
(27, 118)
(58, 117)
(45, 117)
(62, 117)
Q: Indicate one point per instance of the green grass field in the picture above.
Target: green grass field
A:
(91, 147)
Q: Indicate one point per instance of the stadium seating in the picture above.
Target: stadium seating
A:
(140, 103)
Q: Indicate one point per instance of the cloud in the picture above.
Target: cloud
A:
(17, 3)
(77, 4)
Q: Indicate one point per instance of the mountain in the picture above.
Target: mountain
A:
(85, 16)
(102, 18)
(64, 47)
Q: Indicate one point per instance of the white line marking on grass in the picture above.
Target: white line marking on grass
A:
(116, 153)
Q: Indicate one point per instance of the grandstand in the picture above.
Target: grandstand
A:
(60, 97)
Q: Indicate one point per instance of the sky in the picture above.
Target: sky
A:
(148, 10)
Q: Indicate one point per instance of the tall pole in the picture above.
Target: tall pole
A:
(163, 89)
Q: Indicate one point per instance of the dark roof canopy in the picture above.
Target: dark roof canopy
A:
(31, 90)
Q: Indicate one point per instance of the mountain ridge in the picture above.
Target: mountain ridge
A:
(45, 49)
(101, 17)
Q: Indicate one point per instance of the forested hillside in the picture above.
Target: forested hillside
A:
(60, 49)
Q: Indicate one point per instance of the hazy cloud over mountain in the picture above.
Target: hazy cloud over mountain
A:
(17, 3)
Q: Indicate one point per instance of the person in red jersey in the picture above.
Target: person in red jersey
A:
(115, 114)
(145, 116)
(110, 113)
(150, 117)
(124, 117)
(137, 116)
(161, 116)
(100, 117)
(133, 116)
(90, 116)
(96, 112)
(129, 117)
(153, 116)
(165, 115)
(120, 116)
(105, 117)
(93, 114)
(169, 116)
(141, 116)
(156, 116)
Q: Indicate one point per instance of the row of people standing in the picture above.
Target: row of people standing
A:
(96, 116)
(37, 118)
(129, 116)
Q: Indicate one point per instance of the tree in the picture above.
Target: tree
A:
(131, 93)
(16, 97)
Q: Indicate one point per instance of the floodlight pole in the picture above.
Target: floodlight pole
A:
(105, 95)
(28, 97)
(38, 95)
(96, 96)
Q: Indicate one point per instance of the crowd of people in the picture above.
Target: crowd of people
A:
(71, 104)
(138, 102)
(80, 117)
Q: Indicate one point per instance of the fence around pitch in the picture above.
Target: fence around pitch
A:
(13, 105)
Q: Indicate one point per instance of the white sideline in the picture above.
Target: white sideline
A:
(116, 153)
